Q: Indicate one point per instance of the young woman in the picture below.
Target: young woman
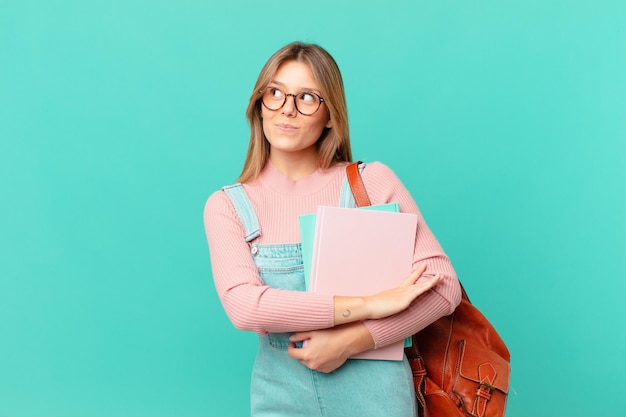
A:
(299, 148)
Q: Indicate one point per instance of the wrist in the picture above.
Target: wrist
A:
(351, 309)
(358, 338)
(368, 307)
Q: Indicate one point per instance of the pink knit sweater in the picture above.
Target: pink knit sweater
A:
(278, 201)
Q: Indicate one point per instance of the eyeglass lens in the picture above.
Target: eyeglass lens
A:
(306, 103)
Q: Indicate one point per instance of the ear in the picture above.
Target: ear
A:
(329, 123)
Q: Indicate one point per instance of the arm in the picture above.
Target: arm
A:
(253, 306)
(328, 349)
(249, 303)
(383, 186)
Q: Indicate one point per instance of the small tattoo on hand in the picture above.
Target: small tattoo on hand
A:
(346, 313)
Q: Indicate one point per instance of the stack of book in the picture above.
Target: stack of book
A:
(358, 252)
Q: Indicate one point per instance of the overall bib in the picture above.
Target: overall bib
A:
(281, 385)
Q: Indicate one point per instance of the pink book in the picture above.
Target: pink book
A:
(362, 252)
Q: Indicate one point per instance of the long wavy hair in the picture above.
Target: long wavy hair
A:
(333, 145)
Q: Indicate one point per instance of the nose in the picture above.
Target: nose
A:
(289, 108)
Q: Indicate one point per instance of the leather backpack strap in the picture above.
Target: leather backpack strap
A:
(419, 380)
(356, 185)
(362, 199)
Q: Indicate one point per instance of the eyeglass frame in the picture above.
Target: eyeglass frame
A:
(295, 103)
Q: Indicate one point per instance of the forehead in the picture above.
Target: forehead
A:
(295, 75)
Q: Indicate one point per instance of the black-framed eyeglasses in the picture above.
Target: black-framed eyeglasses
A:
(307, 103)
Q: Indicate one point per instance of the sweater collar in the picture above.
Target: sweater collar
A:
(279, 182)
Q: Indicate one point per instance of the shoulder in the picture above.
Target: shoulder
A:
(218, 203)
(378, 171)
(217, 197)
(383, 185)
(230, 199)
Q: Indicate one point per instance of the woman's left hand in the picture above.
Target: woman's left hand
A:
(326, 350)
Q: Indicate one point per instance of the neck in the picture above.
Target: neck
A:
(296, 166)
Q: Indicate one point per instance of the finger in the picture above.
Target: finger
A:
(437, 279)
(421, 267)
(423, 285)
(414, 275)
(428, 283)
(299, 337)
(294, 352)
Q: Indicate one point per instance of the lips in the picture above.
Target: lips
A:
(284, 127)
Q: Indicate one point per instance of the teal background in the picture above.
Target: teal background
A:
(506, 121)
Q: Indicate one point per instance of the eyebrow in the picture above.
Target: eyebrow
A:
(303, 89)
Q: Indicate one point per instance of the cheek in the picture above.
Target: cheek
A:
(265, 126)
(323, 121)
(326, 122)
(266, 116)
(265, 113)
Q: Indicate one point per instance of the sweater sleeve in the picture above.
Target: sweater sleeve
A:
(249, 303)
(383, 186)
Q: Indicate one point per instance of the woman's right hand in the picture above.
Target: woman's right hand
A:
(385, 303)
(395, 300)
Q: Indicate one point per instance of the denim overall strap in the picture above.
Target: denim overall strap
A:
(346, 199)
(244, 209)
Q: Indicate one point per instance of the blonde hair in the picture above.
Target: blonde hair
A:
(333, 146)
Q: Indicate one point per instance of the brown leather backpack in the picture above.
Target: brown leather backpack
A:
(460, 364)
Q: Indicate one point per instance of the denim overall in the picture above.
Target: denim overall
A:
(281, 385)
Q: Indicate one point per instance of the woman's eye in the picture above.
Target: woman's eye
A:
(307, 97)
(276, 92)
